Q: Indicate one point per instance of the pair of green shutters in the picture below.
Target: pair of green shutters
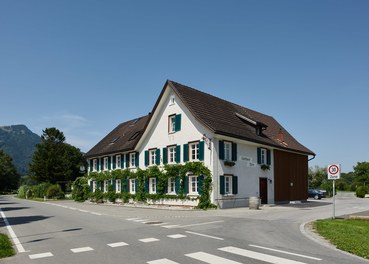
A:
(268, 158)
(222, 184)
(221, 151)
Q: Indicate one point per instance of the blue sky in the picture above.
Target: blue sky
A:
(85, 66)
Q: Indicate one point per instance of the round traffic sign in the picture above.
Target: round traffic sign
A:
(333, 169)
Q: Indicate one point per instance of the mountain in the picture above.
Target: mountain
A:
(19, 143)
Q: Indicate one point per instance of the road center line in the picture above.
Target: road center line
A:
(14, 237)
(198, 234)
(206, 223)
(285, 252)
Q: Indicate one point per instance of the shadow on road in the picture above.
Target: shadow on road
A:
(5, 209)
(21, 220)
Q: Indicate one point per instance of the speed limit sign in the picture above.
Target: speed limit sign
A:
(334, 171)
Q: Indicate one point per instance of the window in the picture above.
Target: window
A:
(194, 151)
(106, 163)
(172, 154)
(132, 186)
(228, 184)
(172, 124)
(132, 160)
(118, 186)
(171, 185)
(152, 185)
(227, 151)
(264, 156)
(95, 166)
(172, 100)
(152, 156)
(118, 160)
(93, 186)
(106, 186)
(193, 185)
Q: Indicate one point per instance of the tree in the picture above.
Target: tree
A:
(361, 171)
(317, 177)
(54, 160)
(9, 178)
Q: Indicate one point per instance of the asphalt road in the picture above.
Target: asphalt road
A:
(70, 232)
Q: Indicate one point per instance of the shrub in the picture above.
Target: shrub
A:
(22, 191)
(55, 191)
(361, 191)
(40, 190)
(80, 189)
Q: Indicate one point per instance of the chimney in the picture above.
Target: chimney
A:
(280, 135)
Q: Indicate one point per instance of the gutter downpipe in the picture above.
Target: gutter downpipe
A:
(312, 157)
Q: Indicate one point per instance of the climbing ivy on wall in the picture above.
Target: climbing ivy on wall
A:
(162, 174)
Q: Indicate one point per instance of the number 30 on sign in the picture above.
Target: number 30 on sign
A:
(334, 171)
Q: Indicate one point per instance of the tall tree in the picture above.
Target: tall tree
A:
(361, 171)
(9, 177)
(54, 160)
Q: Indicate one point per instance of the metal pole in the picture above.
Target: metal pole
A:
(334, 200)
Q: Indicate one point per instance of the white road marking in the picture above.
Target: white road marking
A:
(147, 240)
(118, 244)
(140, 220)
(84, 211)
(95, 213)
(82, 249)
(198, 234)
(177, 236)
(41, 255)
(211, 259)
(14, 237)
(286, 252)
(170, 226)
(130, 219)
(162, 261)
(259, 256)
(206, 223)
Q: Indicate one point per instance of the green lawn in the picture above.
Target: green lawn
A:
(6, 248)
(350, 235)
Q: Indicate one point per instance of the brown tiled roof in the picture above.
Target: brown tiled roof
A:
(123, 138)
(229, 119)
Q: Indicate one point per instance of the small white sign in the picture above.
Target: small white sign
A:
(334, 171)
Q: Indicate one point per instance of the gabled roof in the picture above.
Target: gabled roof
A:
(123, 138)
(229, 119)
(218, 115)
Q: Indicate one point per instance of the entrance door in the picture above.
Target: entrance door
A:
(263, 190)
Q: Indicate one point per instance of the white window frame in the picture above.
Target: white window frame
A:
(193, 182)
(132, 186)
(228, 184)
(93, 186)
(263, 156)
(171, 189)
(172, 123)
(94, 165)
(106, 163)
(172, 154)
(118, 161)
(118, 186)
(152, 157)
(152, 185)
(132, 160)
(227, 150)
(194, 151)
(106, 186)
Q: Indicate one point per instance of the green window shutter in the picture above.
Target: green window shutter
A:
(221, 184)
(97, 164)
(109, 163)
(177, 186)
(127, 160)
(91, 183)
(221, 149)
(136, 185)
(200, 184)
(113, 185)
(101, 164)
(122, 161)
(137, 160)
(127, 185)
(235, 185)
(178, 154)
(165, 158)
(146, 158)
(157, 158)
(185, 185)
(259, 156)
(268, 157)
(178, 123)
(91, 164)
(113, 162)
(146, 183)
(185, 152)
(234, 152)
(201, 150)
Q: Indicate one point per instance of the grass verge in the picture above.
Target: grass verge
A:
(6, 247)
(349, 235)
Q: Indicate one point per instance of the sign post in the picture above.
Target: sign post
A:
(334, 173)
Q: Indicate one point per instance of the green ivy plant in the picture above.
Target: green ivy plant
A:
(162, 175)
